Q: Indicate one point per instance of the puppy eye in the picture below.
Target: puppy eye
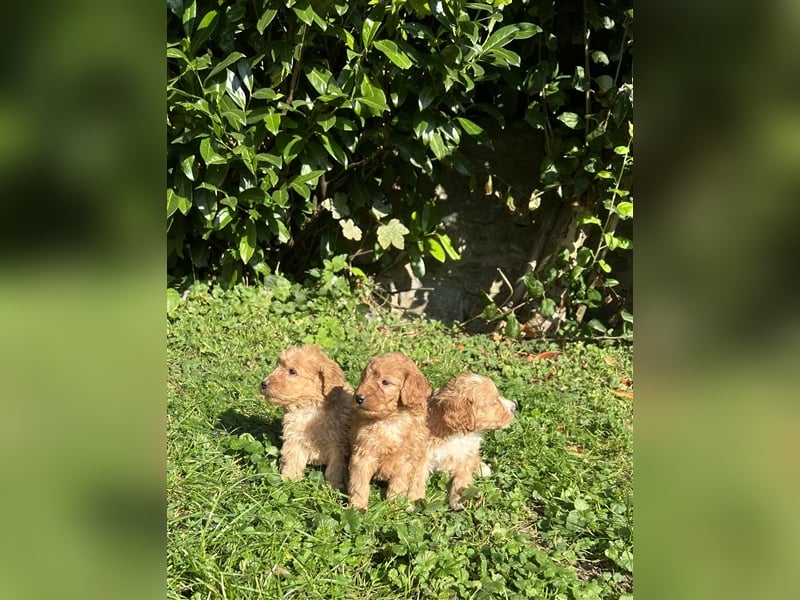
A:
(292, 371)
(385, 382)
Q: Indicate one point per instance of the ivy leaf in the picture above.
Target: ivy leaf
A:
(512, 329)
(393, 53)
(625, 210)
(350, 230)
(547, 308)
(392, 234)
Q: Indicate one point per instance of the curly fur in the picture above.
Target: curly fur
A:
(389, 429)
(458, 416)
(317, 401)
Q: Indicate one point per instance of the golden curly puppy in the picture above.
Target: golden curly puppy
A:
(317, 403)
(389, 430)
(458, 416)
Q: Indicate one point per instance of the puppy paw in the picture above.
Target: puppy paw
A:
(483, 470)
(456, 505)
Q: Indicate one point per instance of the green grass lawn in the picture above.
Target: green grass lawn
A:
(553, 520)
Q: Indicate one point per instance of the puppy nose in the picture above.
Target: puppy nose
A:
(360, 399)
(264, 385)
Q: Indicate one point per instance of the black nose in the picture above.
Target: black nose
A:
(264, 385)
(360, 399)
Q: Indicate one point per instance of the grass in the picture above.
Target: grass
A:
(554, 520)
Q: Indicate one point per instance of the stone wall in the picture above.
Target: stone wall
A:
(485, 231)
(494, 237)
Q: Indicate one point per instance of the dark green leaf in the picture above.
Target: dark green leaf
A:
(438, 146)
(447, 244)
(534, 286)
(273, 122)
(368, 31)
(512, 329)
(266, 94)
(501, 37)
(434, 248)
(470, 128)
(570, 119)
(188, 17)
(247, 243)
(265, 19)
(426, 96)
(208, 153)
(225, 63)
(334, 149)
(505, 58)
(393, 53)
(206, 27)
(547, 308)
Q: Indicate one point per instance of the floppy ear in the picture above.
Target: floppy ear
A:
(416, 390)
(458, 413)
(331, 375)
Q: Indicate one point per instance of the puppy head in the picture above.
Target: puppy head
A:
(391, 382)
(303, 376)
(471, 402)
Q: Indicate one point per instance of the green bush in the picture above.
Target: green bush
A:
(303, 130)
(575, 85)
(300, 130)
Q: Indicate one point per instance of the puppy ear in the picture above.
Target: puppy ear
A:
(458, 413)
(416, 390)
(331, 375)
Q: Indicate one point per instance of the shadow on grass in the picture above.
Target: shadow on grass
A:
(264, 430)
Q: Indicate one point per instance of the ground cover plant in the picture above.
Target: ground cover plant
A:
(553, 520)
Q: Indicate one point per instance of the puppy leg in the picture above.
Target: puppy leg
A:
(416, 490)
(402, 483)
(462, 479)
(293, 461)
(334, 471)
(362, 468)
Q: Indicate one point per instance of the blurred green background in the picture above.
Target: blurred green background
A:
(82, 300)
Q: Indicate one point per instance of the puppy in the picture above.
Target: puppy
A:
(316, 401)
(389, 430)
(458, 416)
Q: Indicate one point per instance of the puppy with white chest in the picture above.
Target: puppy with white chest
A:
(317, 402)
(459, 414)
